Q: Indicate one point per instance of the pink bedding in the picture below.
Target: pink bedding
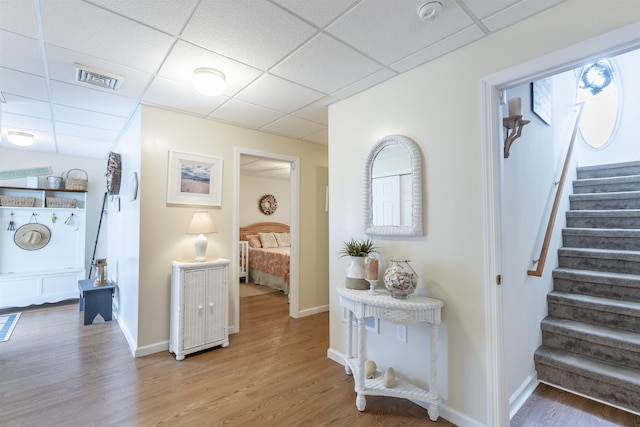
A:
(271, 260)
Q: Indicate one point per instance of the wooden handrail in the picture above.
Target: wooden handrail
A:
(556, 202)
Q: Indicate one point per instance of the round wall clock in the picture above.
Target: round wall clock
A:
(268, 204)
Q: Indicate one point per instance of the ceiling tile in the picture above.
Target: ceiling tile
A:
(184, 58)
(517, 12)
(44, 143)
(317, 111)
(245, 114)
(457, 40)
(325, 65)
(278, 94)
(88, 132)
(17, 16)
(366, 83)
(85, 28)
(389, 30)
(91, 99)
(82, 147)
(62, 67)
(167, 16)
(179, 97)
(321, 137)
(26, 107)
(319, 13)
(23, 84)
(294, 127)
(29, 124)
(63, 113)
(254, 32)
(20, 53)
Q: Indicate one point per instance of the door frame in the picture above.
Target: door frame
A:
(294, 226)
(610, 44)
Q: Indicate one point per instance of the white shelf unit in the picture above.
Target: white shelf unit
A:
(199, 306)
(362, 304)
(49, 274)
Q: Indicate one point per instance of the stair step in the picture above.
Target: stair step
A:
(601, 238)
(605, 312)
(614, 261)
(609, 285)
(599, 201)
(613, 169)
(614, 218)
(617, 385)
(607, 344)
(607, 185)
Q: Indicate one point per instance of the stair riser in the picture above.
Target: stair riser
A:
(599, 264)
(601, 242)
(625, 397)
(617, 292)
(630, 359)
(611, 185)
(627, 223)
(602, 204)
(631, 168)
(595, 317)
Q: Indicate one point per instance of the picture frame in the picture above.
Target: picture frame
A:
(194, 179)
(541, 99)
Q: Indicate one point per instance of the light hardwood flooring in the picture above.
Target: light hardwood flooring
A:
(56, 372)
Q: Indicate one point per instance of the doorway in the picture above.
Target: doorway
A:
(614, 43)
(282, 172)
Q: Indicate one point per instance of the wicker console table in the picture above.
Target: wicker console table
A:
(361, 304)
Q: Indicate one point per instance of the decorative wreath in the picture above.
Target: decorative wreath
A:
(268, 204)
(596, 77)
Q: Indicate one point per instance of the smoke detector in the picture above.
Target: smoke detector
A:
(98, 78)
(429, 11)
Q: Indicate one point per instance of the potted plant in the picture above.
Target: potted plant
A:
(357, 251)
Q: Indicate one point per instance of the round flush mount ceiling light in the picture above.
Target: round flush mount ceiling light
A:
(208, 81)
(429, 11)
(22, 139)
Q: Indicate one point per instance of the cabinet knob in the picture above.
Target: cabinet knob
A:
(199, 307)
(211, 304)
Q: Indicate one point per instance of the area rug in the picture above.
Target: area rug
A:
(251, 289)
(7, 323)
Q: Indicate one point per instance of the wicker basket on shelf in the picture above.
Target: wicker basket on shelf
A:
(77, 183)
(17, 201)
(59, 202)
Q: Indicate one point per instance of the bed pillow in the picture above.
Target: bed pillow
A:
(268, 240)
(254, 241)
(283, 239)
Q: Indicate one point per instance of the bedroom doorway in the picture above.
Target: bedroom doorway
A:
(266, 190)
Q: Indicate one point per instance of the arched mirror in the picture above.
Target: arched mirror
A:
(393, 188)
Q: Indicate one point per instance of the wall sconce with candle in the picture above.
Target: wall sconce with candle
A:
(514, 124)
(201, 224)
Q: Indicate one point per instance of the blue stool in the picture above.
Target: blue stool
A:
(95, 300)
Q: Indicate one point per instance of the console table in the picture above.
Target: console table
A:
(95, 300)
(362, 304)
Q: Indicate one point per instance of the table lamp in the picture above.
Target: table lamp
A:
(201, 224)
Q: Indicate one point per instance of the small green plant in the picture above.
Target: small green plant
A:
(356, 247)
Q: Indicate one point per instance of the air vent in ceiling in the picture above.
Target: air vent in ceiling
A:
(98, 78)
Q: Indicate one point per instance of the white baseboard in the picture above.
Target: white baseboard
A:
(312, 311)
(521, 395)
(446, 412)
(152, 348)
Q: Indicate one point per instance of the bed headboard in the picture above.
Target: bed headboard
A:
(263, 227)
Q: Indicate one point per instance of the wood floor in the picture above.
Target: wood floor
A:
(56, 372)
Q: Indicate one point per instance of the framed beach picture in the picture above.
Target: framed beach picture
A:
(194, 179)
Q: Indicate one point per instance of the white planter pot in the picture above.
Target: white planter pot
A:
(356, 274)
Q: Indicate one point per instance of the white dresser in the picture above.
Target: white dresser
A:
(199, 306)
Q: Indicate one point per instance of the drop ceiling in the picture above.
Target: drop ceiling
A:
(285, 61)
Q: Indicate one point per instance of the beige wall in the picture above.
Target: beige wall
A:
(252, 188)
(439, 106)
(162, 226)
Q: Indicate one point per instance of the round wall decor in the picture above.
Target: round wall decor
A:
(268, 204)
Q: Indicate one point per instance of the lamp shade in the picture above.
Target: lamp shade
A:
(201, 223)
(208, 81)
(22, 139)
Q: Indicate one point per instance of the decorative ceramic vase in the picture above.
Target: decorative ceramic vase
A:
(356, 274)
(400, 278)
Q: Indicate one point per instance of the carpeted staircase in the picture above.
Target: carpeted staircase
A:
(591, 337)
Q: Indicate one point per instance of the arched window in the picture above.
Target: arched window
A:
(598, 89)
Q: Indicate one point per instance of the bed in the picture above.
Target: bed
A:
(268, 266)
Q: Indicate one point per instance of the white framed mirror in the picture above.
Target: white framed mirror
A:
(393, 188)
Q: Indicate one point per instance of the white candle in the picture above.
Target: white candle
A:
(515, 107)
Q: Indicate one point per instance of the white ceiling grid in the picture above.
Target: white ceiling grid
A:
(285, 60)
